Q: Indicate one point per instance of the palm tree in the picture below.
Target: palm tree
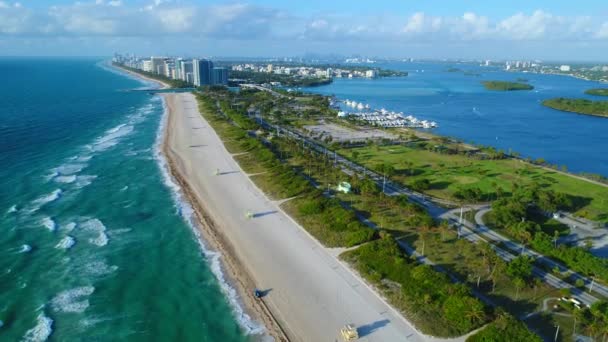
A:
(475, 312)
(444, 228)
(425, 231)
(519, 284)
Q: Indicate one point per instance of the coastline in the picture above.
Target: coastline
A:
(210, 234)
(277, 254)
(213, 244)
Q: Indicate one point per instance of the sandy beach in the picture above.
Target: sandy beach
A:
(310, 294)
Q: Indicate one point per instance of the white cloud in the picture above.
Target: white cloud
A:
(177, 19)
(602, 33)
(420, 23)
(242, 21)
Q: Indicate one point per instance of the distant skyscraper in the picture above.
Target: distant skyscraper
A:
(186, 71)
(158, 64)
(203, 72)
(177, 74)
(220, 76)
(147, 65)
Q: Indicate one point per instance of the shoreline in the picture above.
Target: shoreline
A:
(311, 294)
(210, 234)
(238, 279)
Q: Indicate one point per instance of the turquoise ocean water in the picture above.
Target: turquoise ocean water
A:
(95, 243)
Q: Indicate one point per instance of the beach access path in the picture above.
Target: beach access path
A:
(309, 291)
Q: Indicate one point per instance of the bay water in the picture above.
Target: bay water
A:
(510, 120)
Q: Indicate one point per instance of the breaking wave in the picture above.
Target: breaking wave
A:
(72, 300)
(184, 209)
(40, 332)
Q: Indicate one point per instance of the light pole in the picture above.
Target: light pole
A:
(556, 334)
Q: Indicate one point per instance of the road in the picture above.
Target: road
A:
(310, 291)
(468, 230)
(495, 237)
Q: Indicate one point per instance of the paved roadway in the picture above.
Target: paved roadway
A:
(468, 230)
(311, 292)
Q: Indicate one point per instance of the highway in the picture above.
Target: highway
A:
(468, 230)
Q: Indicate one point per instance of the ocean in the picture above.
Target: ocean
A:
(95, 241)
(514, 120)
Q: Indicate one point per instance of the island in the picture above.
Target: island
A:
(579, 106)
(597, 92)
(506, 86)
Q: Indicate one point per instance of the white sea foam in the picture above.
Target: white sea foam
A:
(100, 268)
(83, 159)
(12, 209)
(185, 210)
(66, 243)
(84, 180)
(70, 168)
(96, 227)
(51, 175)
(65, 179)
(73, 300)
(69, 226)
(124, 188)
(110, 138)
(42, 200)
(25, 249)
(49, 223)
(116, 129)
(40, 332)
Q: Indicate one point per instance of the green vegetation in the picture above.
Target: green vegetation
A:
(594, 320)
(506, 86)
(285, 80)
(326, 219)
(505, 328)
(456, 173)
(579, 106)
(336, 219)
(508, 212)
(597, 92)
(162, 78)
(437, 306)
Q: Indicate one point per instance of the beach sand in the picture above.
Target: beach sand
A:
(310, 293)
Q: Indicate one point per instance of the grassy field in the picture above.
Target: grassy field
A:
(449, 173)
(547, 323)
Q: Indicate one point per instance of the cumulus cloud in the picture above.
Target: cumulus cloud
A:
(421, 23)
(243, 21)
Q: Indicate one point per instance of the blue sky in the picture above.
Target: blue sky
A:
(515, 29)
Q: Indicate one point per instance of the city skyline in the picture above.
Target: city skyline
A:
(266, 28)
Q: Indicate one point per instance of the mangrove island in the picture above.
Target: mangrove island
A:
(597, 92)
(506, 86)
(579, 106)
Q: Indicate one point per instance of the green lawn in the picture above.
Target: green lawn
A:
(449, 173)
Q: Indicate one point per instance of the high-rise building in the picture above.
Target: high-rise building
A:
(202, 70)
(158, 64)
(186, 71)
(177, 72)
(147, 65)
(220, 76)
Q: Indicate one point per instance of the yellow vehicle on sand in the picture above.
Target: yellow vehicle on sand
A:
(349, 332)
